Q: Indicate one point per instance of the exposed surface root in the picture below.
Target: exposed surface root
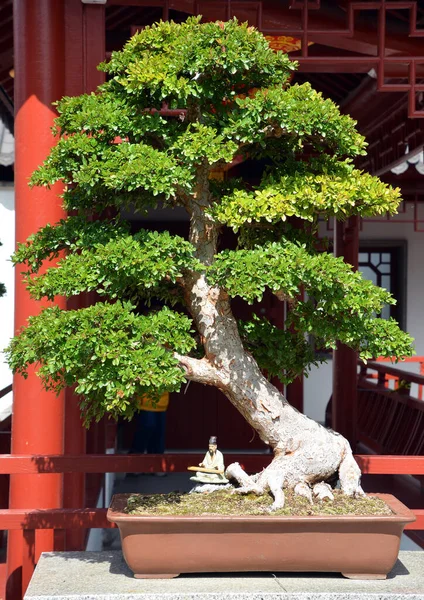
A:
(304, 471)
(275, 485)
(323, 491)
(247, 484)
(350, 475)
(303, 489)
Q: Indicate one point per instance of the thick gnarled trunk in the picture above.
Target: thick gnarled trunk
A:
(305, 453)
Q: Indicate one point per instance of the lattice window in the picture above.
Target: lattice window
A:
(384, 264)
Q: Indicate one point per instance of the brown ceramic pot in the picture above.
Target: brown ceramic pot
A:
(359, 547)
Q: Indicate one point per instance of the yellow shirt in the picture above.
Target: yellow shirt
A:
(146, 403)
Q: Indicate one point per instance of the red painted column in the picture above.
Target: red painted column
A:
(345, 405)
(37, 415)
(84, 50)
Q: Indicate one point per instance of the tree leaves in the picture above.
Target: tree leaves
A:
(285, 267)
(123, 267)
(98, 169)
(70, 234)
(195, 60)
(298, 112)
(354, 324)
(111, 353)
(107, 117)
(281, 353)
(117, 150)
(340, 305)
(323, 186)
(202, 142)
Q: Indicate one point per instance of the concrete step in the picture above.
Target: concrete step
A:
(105, 576)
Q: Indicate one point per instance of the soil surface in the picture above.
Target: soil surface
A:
(224, 502)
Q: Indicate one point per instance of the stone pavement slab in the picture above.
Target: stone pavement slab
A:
(105, 576)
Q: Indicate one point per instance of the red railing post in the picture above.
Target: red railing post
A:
(28, 557)
(381, 378)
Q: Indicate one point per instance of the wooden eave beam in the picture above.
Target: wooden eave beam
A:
(6, 26)
(353, 64)
(280, 21)
(384, 106)
(369, 107)
(398, 161)
(5, 77)
(358, 101)
(277, 21)
(364, 42)
(121, 18)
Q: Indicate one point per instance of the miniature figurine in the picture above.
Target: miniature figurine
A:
(212, 467)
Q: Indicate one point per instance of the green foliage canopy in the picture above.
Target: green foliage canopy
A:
(116, 150)
(112, 353)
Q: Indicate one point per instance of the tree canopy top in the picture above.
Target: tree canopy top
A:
(237, 100)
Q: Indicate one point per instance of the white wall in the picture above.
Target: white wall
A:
(7, 238)
(317, 387)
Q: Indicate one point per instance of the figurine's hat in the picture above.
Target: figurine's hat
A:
(212, 439)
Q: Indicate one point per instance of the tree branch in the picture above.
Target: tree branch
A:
(282, 297)
(200, 371)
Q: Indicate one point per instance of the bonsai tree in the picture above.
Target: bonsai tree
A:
(227, 95)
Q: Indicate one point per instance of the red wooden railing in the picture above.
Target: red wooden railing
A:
(390, 421)
(60, 520)
(419, 360)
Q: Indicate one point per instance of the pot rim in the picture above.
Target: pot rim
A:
(402, 514)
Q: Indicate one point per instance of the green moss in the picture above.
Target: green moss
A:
(223, 502)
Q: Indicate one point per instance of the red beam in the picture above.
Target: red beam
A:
(178, 463)
(390, 465)
(419, 523)
(61, 518)
(88, 518)
(119, 463)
